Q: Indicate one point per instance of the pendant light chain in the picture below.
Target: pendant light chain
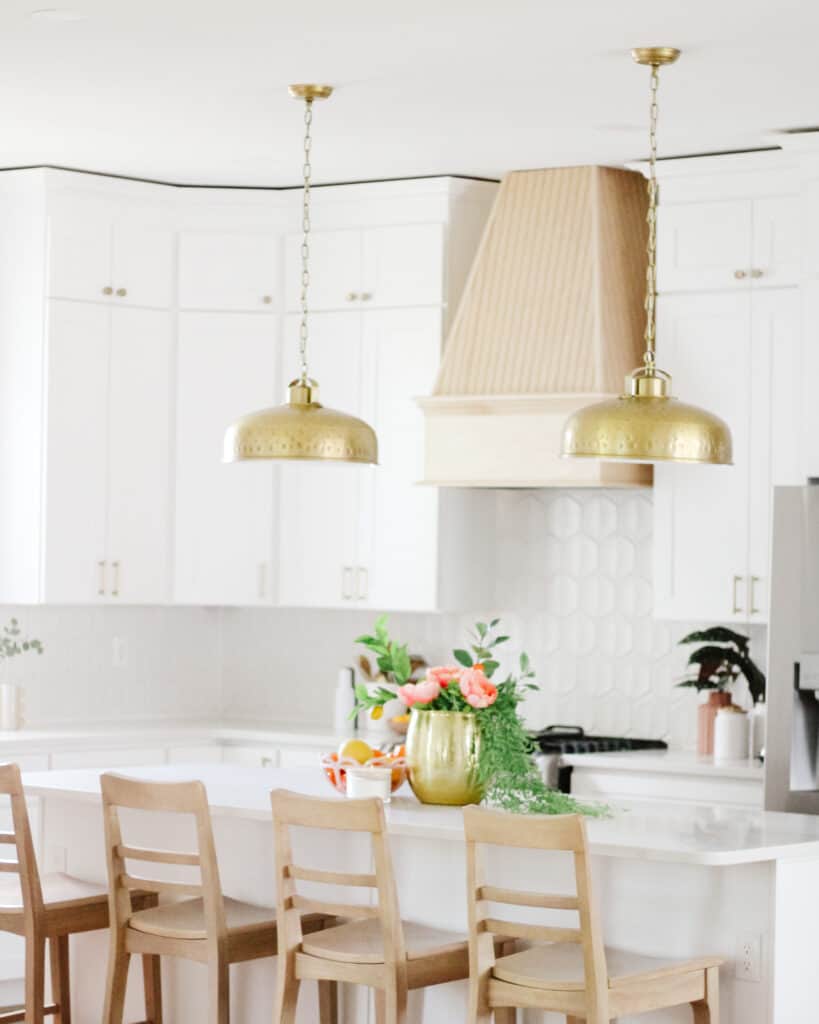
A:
(651, 217)
(305, 244)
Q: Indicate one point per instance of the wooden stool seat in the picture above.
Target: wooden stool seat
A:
(362, 942)
(57, 889)
(558, 966)
(186, 920)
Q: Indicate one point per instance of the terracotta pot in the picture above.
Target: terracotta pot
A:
(706, 718)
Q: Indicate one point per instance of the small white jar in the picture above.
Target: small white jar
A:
(369, 781)
(731, 734)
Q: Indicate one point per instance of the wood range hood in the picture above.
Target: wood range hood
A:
(551, 319)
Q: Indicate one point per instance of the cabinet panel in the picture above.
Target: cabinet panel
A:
(775, 424)
(702, 245)
(229, 270)
(80, 242)
(139, 426)
(335, 269)
(777, 244)
(403, 266)
(143, 261)
(76, 452)
(402, 349)
(319, 503)
(117, 758)
(701, 512)
(224, 513)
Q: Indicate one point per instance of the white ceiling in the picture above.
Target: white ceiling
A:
(195, 92)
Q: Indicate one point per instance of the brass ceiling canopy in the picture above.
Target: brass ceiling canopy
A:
(303, 429)
(646, 423)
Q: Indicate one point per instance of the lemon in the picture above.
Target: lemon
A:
(377, 712)
(358, 750)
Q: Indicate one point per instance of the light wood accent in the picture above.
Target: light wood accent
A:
(50, 909)
(207, 928)
(554, 300)
(377, 948)
(574, 975)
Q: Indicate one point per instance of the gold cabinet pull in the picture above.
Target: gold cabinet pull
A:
(267, 299)
(756, 273)
(101, 586)
(366, 296)
(740, 275)
(115, 588)
(737, 581)
(362, 583)
(347, 583)
(122, 292)
(353, 296)
(108, 290)
(754, 609)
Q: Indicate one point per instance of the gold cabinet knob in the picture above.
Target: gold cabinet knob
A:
(352, 296)
(366, 296)
(267, 299)
(122, 292)
(740, 274)
(757, 273)
(108, 290)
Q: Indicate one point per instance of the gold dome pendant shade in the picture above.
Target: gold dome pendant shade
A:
(302, 429)
(646, 423)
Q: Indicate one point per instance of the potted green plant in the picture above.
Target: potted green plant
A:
(13, 645)
(723, 657)
(466, 740)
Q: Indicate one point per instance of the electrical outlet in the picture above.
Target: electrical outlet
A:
(748, 966)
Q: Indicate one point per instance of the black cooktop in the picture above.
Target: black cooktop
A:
(572, 739)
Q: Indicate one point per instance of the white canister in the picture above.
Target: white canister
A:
(369, 781)
(757, 723)
(343, 719)
(731, 734)
(11, 706)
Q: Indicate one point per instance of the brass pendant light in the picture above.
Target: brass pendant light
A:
(646, 423)
(303, 429)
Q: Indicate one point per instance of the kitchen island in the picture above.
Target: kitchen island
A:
(678, 880)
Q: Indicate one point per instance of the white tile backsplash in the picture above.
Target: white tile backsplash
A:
(573, 586)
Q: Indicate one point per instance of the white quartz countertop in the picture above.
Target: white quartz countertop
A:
(643, 830)
(671, 762)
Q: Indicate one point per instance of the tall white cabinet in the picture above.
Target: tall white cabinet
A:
(729, 331)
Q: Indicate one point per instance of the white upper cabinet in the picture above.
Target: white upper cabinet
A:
(104, 250)
(728, 244)
(380, 267)
(230, 270)
(736, 355)
(224, 525)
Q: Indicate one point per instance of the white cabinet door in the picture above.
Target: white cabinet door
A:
(775, 427)
(335, 270)
(402, 352)
(704, 245)
(229, 270)
(224, 512)
(701, 512)
(319, 502)
(139, 471)
(76, 452)
(79, 243)
(777, 241)
(143, 260)
(403, 266)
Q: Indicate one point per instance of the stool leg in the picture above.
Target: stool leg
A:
(328, 1002)
(706, 1011)
(60, 978)
(219, 995)
(118, 961)
(35, 979)
(152, 982)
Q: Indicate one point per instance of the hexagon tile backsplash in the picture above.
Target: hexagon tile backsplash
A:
(573, 586)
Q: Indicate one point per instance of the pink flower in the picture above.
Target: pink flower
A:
(443, 675)
(419, 693)
(477, 690)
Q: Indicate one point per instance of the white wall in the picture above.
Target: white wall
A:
(573, 572)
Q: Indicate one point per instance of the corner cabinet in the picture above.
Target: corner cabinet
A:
(738, 355)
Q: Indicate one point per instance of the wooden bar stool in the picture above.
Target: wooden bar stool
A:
(567, 970)
(204, 925)
(52, 908)
(376, 948)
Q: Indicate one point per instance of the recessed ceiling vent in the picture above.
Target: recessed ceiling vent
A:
(551, 320)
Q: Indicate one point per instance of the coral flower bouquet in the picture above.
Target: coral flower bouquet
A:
(507, 773)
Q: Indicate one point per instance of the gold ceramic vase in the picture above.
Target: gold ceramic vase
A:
(442, 751)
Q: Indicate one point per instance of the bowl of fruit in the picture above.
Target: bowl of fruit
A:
(358, 753)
